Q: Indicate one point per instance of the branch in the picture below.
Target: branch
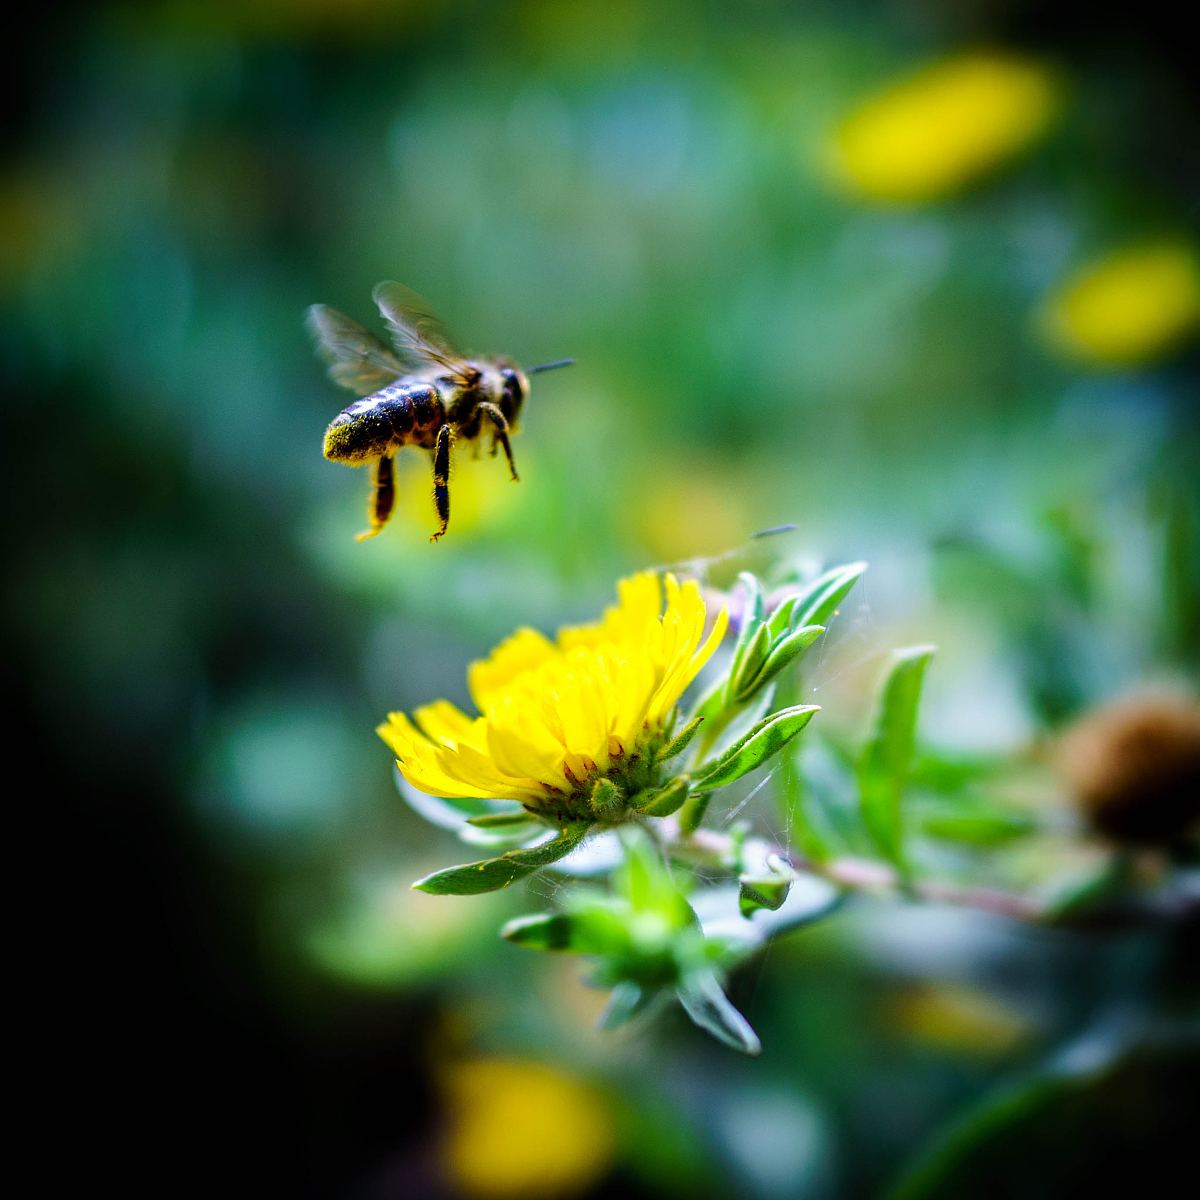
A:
(1170, 903)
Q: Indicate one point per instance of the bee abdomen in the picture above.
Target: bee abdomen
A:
(412, 409)
(393, 416)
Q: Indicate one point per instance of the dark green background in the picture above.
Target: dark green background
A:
(201, 650)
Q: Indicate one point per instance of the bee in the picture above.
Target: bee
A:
(421, 393)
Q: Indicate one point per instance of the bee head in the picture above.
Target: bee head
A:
(512, 397)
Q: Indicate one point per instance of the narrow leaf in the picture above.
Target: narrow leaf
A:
(886, 756)
(784, 653)
(542, 931)
(501, 820)
(752, 622)
(706, 1003)
(818, 602)
(767, 738)
(693, 813)
(741, 681)
(491, 874)
(628, 1000)
(780, 620)
(975, 825)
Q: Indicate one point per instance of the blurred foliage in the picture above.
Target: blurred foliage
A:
(988, 390)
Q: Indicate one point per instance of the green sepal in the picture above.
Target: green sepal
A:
(681, 741)
(886, 757)
(706, 1003)
(769, 892)
(780, 656)
(767, 738)
(491, 874)
(663, 801)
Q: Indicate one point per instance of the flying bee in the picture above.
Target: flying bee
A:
(421, 393)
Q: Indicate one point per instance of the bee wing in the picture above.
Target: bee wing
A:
(416, 332)
(357, 359)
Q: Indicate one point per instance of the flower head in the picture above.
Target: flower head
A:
(1130, 308)
(558, 717)
(938, 130)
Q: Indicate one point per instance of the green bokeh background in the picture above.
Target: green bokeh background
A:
(203, 650)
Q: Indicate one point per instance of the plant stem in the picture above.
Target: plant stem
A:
(865, 875)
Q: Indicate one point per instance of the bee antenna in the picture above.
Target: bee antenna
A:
(550, 366)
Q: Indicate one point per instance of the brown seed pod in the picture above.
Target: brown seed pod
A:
(1133, 767)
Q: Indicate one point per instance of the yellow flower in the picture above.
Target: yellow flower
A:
(523, 1129)
(1129, 308)
(555, 717)
(934, 132)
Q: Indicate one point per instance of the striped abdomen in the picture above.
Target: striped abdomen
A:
(400, 414)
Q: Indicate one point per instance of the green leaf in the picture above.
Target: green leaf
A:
(976, 825)
(767, 738)
(781, 655)
(693, 813)
(501, 820)
(663, 801)
(738, 936)
(681, 741)
(543, 931)
(491, 874)
(627, 1001)
(741, 681)
(769, 892)
(706, 1003)
(886, 757)
(780, 620)
(818, 602)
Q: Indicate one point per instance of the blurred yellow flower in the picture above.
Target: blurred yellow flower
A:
(1129, 308)
(558, 716)
(958, 1018)
(523, 1129)
(934, 132)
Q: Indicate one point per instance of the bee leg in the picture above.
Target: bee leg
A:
(383, 495)
(501, 434)
(441, 480)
